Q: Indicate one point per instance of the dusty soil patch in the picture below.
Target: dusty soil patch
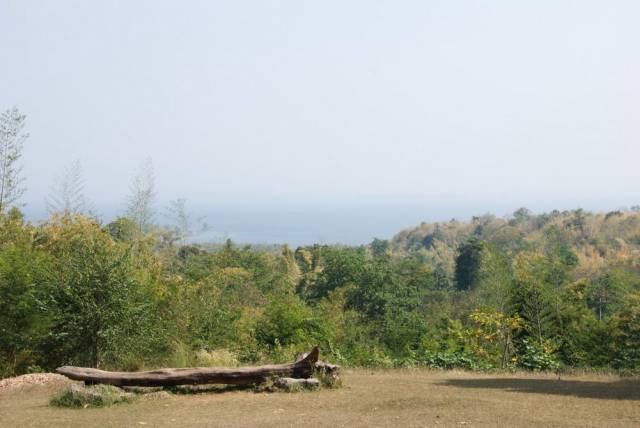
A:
(32, 379)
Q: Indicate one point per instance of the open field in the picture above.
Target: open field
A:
(407, 398)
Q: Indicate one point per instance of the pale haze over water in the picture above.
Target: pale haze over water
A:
(300, 121)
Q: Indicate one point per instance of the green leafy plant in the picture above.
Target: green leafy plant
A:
(91, 396)
(537, 356)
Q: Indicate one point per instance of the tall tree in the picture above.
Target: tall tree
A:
(533, 297)
(140, 205)
(67, 196)
(21, 319)
(468, 264)
(95, 296)
(380, 247)
(12, 137)
(182, 222)
(495, 279)
(627, 335)
(608, 292)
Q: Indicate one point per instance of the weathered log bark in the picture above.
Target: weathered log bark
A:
(302, 368)
(322, 366)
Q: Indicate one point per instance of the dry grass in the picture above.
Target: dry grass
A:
(217, 358)
(398, 398)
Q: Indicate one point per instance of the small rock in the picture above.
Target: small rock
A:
(156, 395)
(288, 383)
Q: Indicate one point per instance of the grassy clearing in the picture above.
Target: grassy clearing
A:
(412, 398)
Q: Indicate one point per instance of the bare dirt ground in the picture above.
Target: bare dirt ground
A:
(396, 398)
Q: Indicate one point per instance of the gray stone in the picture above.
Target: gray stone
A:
(289, 384)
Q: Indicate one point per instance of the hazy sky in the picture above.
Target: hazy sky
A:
(492, 104)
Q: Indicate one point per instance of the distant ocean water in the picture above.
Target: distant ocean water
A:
(306, 227)
(351, 224)
(339, 223)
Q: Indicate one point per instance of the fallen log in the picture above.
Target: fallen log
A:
(302, 368)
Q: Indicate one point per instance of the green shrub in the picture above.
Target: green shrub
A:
(285, 322)
(452, 360)
(537, 356)
(328, 380)
(91, 396)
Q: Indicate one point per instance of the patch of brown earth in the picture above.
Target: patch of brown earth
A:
(32, 379)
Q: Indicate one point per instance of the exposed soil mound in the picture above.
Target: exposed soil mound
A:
(32, 379)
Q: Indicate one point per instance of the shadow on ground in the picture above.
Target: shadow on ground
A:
(624, 389)
(208, 389)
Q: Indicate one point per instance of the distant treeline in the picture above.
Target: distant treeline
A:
(531, 291)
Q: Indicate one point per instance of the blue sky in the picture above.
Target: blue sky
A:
(434, 107)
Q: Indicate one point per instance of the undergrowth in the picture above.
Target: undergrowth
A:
(93, 396)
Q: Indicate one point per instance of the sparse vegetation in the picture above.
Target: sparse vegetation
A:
(328, 380)
(91, 396)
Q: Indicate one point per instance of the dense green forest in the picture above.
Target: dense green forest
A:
(531, 291)
(534, 291)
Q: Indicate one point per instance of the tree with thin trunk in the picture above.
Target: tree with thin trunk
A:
(182, 222)
(12, 137)
(140, 204)
(67, 196)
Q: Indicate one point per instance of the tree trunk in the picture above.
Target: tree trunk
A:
(302, 368)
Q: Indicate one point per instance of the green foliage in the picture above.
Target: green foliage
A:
(96, 302)
(380, 247)
(627, 335)
(606, 294)
(495, 280)
(21, 317)
(448, 360)
(468, 264)
(583, 341)
(285, 322)
(491, 336)
(537, 356)
(533, 298)
(534, 291)
(91, 396)
(122, 229)
(340, 267)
